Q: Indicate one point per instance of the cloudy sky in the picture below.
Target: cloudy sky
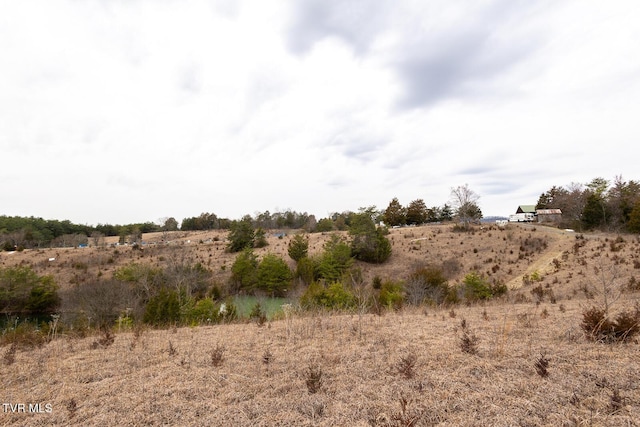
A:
(115, 111)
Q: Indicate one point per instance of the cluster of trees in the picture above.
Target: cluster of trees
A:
(23, 232)
(464, 206)
(272, 276)
(179, 293)
(599, 204)
(265, 220)
(25, 293)
(29, 232)
(415, 213)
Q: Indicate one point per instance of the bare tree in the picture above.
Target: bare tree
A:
(98, 239)
(465, 201)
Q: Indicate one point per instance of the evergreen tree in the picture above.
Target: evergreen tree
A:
(273, 276)
(416, 212)
(368, 243)
(241, 235)
(395, 214)
(298, 247)
(244, 270)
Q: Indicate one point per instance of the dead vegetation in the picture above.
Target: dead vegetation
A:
(403, 370)
(573, 297)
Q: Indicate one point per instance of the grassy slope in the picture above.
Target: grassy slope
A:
(167, 376)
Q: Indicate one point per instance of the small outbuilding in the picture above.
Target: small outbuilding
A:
(549, 215)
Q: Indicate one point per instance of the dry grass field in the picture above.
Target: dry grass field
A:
(521, 360)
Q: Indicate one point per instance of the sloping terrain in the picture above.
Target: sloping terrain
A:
(501, 254)
(520, 360)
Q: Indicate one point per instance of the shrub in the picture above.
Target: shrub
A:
(598, 326)
(334, 296)
(23, 335)
(146, 280)
(163, 308)
(244, 270)
(391, 295)
(203, 311)
(258, 314)
(307, 269)
(298, 247)
(260, 239)
(313, 378)
(241, 235)
(475, 287)
(217, 355)
(542, 366)
(427, 284)
(369, 243)
(273, 275)
(335, 260)
(468, 341)
(101, 302)
(24, 291)
(406, 365)
(324, 225)
(228, 311)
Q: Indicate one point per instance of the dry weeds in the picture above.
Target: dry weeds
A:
(354, 363)
(321, 373)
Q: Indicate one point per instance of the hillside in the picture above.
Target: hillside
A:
(519, 360)
(502, 254)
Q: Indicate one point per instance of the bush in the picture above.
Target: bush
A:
(260, 239)
(598, 326)
(369, 243)
(101, 302)
(307, 269)
(244, 270)
(298, 247)
(163, 308)
(335, 260)
(427, 284)
(145, 279)
(273, 275)
(258, 314)
(24, 335)
(475, 287)
(324, 225)
(22, 291)
(203, 311)
(241, 236)
(391, 295)
(334, 296)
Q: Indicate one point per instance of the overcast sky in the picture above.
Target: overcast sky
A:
(119, 111)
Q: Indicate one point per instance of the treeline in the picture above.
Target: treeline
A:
(597, 205)
(266, 220)
(30, 232)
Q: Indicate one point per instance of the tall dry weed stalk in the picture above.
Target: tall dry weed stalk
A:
(10, 355)
(542, 366)
(468, 341)
(406, 365)
(314, 378)
(503, 335)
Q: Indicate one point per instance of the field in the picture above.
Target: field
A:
(521, 360)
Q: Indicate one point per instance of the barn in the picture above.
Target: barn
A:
(549, 215)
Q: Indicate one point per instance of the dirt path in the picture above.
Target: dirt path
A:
(544, 265)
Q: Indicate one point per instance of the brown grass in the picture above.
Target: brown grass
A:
(532, 363)
(322, 372)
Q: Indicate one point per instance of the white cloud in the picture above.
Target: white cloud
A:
(130, 111)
